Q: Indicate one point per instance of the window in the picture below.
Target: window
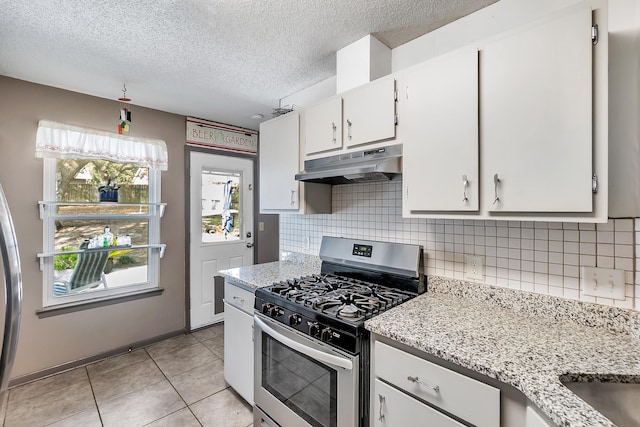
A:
(101, 225)
(220, 206)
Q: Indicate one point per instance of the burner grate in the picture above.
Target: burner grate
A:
(340, 297)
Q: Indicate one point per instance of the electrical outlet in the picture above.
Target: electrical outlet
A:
(473, 268)
(307, 242)
(602, 282)
(261, 226)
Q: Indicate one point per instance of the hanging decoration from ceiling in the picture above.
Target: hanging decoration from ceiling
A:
(125, 112)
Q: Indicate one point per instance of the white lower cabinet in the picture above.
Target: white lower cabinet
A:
(415, 378)
(534, 419)
(395, 408)
(238, 340)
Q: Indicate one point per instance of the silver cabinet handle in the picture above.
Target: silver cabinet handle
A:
(496, 181)
(349, 128)
(465, 184)
(335, 128)
(292, 193)
(416, 380)
(381, 414)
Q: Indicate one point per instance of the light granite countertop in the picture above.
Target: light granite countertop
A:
(291, 265)
(525, 340)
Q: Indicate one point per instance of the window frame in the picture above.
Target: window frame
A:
(153, 254)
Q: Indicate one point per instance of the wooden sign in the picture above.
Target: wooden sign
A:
(203, 133)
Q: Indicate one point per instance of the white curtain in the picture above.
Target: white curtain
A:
(64, 141)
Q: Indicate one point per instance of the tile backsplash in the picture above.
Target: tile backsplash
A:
(541, 257)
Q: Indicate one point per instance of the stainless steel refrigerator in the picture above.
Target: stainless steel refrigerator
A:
(12, 291)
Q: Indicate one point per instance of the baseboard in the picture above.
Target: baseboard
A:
(23, 379)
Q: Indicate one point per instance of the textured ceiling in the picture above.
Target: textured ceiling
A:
(221, 60)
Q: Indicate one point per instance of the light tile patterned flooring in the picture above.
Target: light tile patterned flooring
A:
(177, 382)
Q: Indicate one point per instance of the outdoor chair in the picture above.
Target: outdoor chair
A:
(87, 273)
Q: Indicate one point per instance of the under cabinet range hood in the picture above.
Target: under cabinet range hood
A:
(378, 164)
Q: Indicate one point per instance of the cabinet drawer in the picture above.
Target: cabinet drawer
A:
(239, 297)
(471, 400)
(394, 408)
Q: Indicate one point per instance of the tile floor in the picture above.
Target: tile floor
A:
(177, 382)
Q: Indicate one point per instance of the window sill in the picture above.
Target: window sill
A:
(72, 307)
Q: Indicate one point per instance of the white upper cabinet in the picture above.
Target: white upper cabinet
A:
(369, 112)
(279, 162)
(440, 134)
(514, 127)
(536, 117)
(323, 126)
(279, 157)
(362, 115)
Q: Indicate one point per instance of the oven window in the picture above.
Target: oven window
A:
(303, 384)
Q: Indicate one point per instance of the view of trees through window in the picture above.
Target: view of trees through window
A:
(80, 182)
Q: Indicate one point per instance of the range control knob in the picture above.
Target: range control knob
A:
(326, 334)
(266, 308)
(314, 329)
(294, 319)
(275, 311)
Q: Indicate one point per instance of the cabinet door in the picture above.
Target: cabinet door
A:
(279, 163)
(369, 112)
(440, 161)
(323, 126)
(394, 408)
(238, 351)
(534, 419)
(536, 117)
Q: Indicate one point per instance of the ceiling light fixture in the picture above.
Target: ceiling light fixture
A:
(257, 116)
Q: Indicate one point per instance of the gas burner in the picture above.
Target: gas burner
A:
(349, 311)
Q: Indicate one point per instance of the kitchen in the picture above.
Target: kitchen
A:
(135, 320)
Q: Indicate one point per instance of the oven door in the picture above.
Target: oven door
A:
(300, 381)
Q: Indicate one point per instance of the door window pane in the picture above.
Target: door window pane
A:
(303, 384)
(220, 206)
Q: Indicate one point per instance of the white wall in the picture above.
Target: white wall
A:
(624, 108)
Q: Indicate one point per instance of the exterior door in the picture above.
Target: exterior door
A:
(221, 229)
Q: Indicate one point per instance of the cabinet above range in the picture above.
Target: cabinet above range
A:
(360, 116)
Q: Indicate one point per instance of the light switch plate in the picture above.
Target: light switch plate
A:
(473, 268)
(602, 282)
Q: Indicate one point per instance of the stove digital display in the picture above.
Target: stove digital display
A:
(362, 250)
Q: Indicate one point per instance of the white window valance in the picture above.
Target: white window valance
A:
(65, 141)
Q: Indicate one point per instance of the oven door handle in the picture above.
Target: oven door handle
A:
(329, 359)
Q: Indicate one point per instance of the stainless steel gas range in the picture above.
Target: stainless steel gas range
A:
(311, 347)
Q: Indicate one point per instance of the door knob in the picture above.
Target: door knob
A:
(249, 245)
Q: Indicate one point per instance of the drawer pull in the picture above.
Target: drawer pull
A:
(416, 380)
(381, 416)
(241, 300)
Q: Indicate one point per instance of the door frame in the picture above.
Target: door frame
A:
(188, 149)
